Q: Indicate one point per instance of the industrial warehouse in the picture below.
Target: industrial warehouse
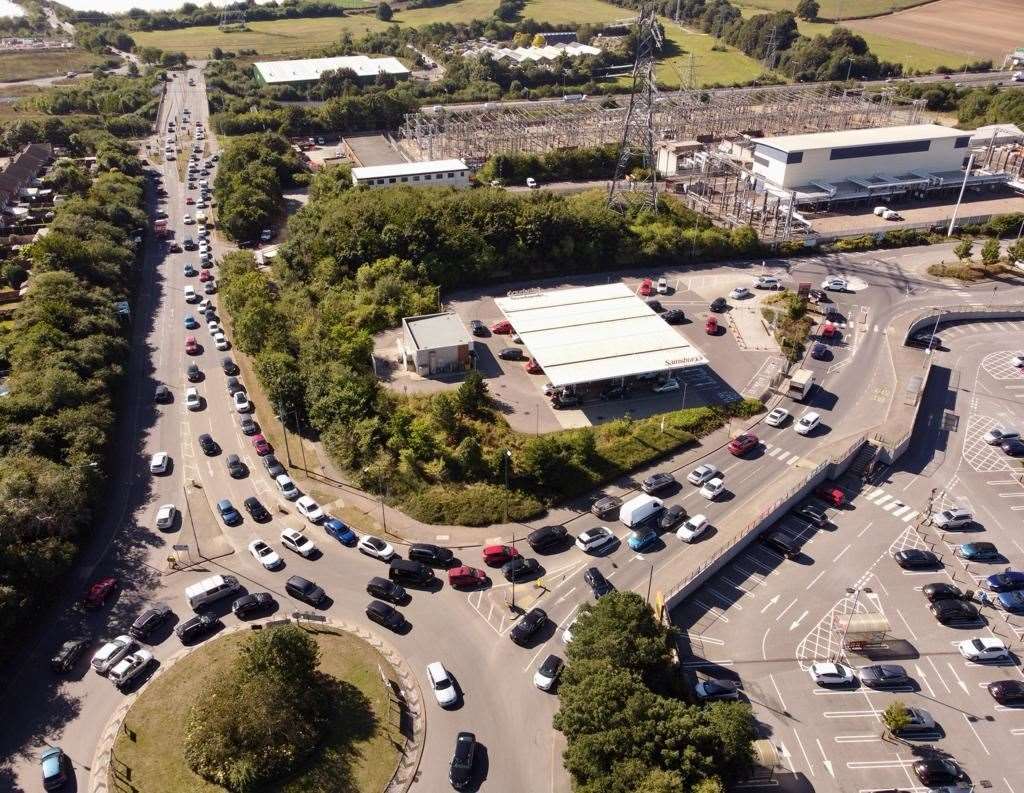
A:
(309, 70)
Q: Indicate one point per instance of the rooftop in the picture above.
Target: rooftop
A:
(434, 331)
(594, 333)
(408, 168)
(859, 137)
(309, 69)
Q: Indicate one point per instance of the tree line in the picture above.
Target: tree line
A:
(65, 351)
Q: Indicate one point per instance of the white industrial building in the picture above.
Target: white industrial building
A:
(547, 54)
(434, 344)
(309, 70)
(594, 333)
(428, 173)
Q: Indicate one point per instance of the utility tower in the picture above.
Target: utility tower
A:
(233, 20)
(637, 146)
(771, 55)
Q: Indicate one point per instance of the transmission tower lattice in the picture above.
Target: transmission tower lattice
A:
(231, 20)
(637, 146)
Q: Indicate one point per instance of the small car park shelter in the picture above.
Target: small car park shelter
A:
(436, 344)
(594, 333)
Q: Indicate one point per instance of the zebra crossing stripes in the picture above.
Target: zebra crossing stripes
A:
(781, 455)
(890, 504)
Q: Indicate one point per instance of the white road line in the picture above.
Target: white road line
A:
(868, 738)
(910, 516)
(791, 604)
(897, 512)
(777, 692)
(862, 531)
(839, 555)
(804, 751)
(533, 660)
(816, 578)
(922, 676)
(911, 630)
(793, 460)
(976, 734)
(941, 680)
(563, 597)
(698, 664)
(782, 457)
(702, 639)
(961, 683)
(882, 500)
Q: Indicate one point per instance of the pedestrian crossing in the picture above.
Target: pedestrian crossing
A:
(890, 504)
(780, 454)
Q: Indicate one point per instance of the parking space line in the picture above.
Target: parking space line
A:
(801, 743)
(816, 579)
(867, 738)
(729, 603)
(791, 604)
(698, 664)
(939, 676)
(839, 555)
(909, 629)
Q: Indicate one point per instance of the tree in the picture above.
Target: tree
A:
(807, 9)
(963, 249)
(216, 54)
(990, 253)
(384, 12)
(539, 41)
(895, 717)
(1016, 251)
(15, 275)
(620, 628)
(471, 397)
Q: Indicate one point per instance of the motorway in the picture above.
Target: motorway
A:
(468, 632)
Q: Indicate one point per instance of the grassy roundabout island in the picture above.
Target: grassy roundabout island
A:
(214, 709)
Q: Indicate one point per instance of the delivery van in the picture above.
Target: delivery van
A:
(640, 509)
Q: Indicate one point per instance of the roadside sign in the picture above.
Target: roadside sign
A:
(309, 616)
(803, 290)
(180, 547)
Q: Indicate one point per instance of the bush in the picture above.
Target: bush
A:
(473, 505)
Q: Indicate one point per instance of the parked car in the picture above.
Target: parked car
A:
(831, 674)
(740, 293)
(820, 352)
(261, 446)
(383, 614)
(162, 394)
(129, 668)
(274, 468)
(883, 675)
(149, 620)
(978, 551)
(528, 625)
(657, 482)
(228, 513)
(812, 513)
(941, 591)
(950, 612)
(718, 305)
(767, 282)
(499, 555)
(834, 283)
(782, 543)
(547, 537)
(298, 542)
(641, 537)
(477, 328)
(511, 354)
(1007, 581)
(712, 489)
(984, 648)
(674, 316)
(110, 653)
(672, 517)
(208, 444)
(159, 463)
(605, 506)
(53, 764)
(195, 627)
(68, 654)
(466, 577)
(935, 771)
(264, 554)
(777, 417)
(236, 468)
(339, 531)
(717, 690)
(1007, 692)
(520, 569)
(460, 771)
(742, 444)
(386, 589)
(1011, 601)
(99, 592)
(309, 509)
(997, 435)
(502, 327)
(252, 603)
(953, 518)
(646, 287)
(1013, 447)
(441, 684)
(375, 547)
(711, 326)
(807, 423)
(702, 473)
(598, 584)
(547, 673)
(915, 559)
(305, 590)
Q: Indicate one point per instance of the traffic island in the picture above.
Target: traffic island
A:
(364, 746)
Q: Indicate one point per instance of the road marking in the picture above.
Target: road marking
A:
(718, 614)
(702, 639)
(796, 623)
(882, 500)
(770, 603)
(941, 680)
(729, 603)
(911, 630)
(791, 604)
(563, 597)
(533, 660)
(839, 555)
(852, 714)
(862, 531)
(868, 738)
(698, 664)
(808, 759)
(910, 516)
(962, 684)
(824, 758)
(778, 693)
(864, 764)
(816, 579)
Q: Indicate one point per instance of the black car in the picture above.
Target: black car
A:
(148, 621)
(941, 591)
(547, 537)
(305, 590)
(236, 468)
(672, 517)
(431, 554)
(531, 622)
(477, 328)
(883, 675)
(511, 354)
(253, 603)
(256, 510)
(460, 772)
(717, 690)
(660, 481)
(162, 394)
(605, 506)
(615, 392)
(208, 444)
(234, 385)
(562, 401)
(780, 542)
(952, 611)
(819, 296)
(598, 584)
(520, 569)
(718, 304)
(274, 468)
(820, 352)
(189, 244)
(67, 655)
(1014, 447)
(938, 771)
(674, 316)
(249, 426)
(914, 558)
(228, 365)
(654, 304)
(195, 627)
(813, 514)
(194, 373)
(1007, 692)
(385, 589)
(383, 614)
(927, 341)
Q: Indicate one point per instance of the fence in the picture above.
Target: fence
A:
(939, 226)
(966, 311)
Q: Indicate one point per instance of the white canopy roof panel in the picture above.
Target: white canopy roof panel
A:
(593, 333)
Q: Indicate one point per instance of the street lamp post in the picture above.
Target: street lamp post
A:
(963, 186)
(381, 488)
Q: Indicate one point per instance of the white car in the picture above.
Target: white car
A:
(159, 463)
(712, 489)
(662, 286)
(442, 684)
(375, 547)
(220, 341)
(829, 674)
(567, 630)
(835, 284)
(309, 509)
(286, 486)
(298, 542)
(213, 326)
(192, 399)
(669, 385)
(241, 401)
(694, 527)
(547, 673)
(189, 220)
(952, 518)
(165, 516)
(806, 423)
(264, 554)
(739, 293)
(983, 648)
(1018, 361)
(531, 182)
(997, 435)
(130, 667)
(767, 282)
(777, 417)
(110, 653)
(593, 539)
(702, 473)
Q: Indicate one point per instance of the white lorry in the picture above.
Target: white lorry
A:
(800, 384)
(637, 510)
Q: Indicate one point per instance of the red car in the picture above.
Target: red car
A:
(497, 555)
(191, 345)
(742, 444)
(261, 445)
(646, 287)
(711, 326)
(190, 200)
(99, 593)
(503, 327)
(205, 275)
(833, 495)
(466, 577)
(828, 330)
(532, 367)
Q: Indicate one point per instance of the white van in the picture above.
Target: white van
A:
(210, 590)
(200, 217)
(637, 510)
(190, 294)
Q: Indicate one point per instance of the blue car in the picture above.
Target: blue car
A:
(1012, 601)
(978, 551)
(640, 538)
(228, 513)
(191, 322)
(1005, 582)
(340, 531)
(54, 764)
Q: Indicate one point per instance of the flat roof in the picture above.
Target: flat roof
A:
(435, 331)
(308, 69)
(860, 137)
(591, 333)
(408, 168)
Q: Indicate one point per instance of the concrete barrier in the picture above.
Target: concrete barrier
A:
(937, 317)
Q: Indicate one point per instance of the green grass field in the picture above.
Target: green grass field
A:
(710, 68)
(834, 9)
(32, 64)
(579, 11)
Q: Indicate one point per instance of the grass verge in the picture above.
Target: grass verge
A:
(830, 9)
(968, 271)
(157, 720)
(18, 65)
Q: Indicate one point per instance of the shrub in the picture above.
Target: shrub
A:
(472, 505)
